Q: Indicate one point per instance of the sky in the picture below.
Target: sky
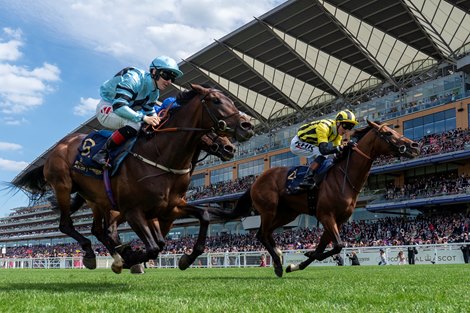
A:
(54, 55)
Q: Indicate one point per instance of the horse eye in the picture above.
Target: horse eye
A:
(216, 101)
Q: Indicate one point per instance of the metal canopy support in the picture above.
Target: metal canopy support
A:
(269, 29)
(441, 43)
(251, 111)
(359, 46)
(289, 100)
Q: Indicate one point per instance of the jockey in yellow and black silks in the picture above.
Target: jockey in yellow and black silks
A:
(319, 138)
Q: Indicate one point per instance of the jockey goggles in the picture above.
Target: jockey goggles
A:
(347, 126)
(167, 75)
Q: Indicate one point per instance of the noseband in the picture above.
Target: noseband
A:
(219, 124)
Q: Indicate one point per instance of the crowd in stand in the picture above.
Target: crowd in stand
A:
(383, 232)
(430, 186)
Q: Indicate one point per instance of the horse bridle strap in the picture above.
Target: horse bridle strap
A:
(355, 148)
(162, 167)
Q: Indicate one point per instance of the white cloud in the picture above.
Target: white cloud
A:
(87, 107)
(11, 121)
(10, 50)
(8, 146)
(9, 165)
(137, 33)
(21, 88)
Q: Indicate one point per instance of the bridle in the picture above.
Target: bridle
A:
(384, 135)
(219, 126)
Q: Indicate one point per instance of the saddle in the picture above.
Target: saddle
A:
(296, 175)
(90, 145)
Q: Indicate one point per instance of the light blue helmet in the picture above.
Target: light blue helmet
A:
(166, 63)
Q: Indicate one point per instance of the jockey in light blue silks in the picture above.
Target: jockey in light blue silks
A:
(128, 99)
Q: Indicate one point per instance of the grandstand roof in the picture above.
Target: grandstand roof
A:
(305, 55)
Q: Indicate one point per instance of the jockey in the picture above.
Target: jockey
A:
(314, 138)
(123, 97)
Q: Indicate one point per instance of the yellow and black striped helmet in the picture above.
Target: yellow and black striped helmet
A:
(346, 116)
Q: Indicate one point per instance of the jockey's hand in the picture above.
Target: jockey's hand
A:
(152, 120)
(351, 144)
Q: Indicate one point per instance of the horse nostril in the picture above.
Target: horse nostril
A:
(214, 147)
(246, 125)
(229, 148)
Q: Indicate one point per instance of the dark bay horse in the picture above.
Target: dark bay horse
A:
(335, 198)
(212, 144)
(153, 181)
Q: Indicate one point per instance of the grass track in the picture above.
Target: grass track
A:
(419, 288)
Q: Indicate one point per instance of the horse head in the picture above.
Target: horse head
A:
(219, 146)
(225, 118)
(395, 143)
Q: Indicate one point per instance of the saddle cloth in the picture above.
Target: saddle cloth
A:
(296, 175)
(91, 144)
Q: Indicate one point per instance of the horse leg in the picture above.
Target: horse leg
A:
(330, 233)
(66, 227)
(100, 231)
(144, 230)
(203, 216)
(265, 236)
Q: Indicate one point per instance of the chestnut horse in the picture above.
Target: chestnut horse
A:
(335, 198)
(152, 181)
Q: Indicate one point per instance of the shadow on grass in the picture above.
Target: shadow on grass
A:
(67, 287)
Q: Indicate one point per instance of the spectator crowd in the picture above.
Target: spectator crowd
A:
(396, 231)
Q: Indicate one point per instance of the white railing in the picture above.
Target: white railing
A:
(427, 254)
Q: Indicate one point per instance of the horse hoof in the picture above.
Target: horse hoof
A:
(278, 271)
(90, 263)
(116, 269)
(184, 262)
(137, 269)
(292, 268)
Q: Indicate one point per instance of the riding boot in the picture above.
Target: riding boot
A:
(102, 156)
(117, 138)
(309, 182)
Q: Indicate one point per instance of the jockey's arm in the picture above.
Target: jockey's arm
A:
(325, 148)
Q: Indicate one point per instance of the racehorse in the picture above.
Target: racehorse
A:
(335, 198)
(152, 181)
(212, 144)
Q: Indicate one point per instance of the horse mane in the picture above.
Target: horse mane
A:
(360, 132)
(185, 96)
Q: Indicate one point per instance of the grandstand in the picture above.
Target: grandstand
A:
(391, 61)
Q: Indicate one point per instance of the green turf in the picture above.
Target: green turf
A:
(419, 288)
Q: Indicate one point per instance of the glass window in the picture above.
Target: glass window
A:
(284, 159)
(221, 175)
(197, 180)
(250, 168)
(430, 124)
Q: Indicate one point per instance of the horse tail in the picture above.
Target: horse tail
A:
(242, 208)
(33, 183)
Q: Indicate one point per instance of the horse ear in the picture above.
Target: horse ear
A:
(198, 88)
